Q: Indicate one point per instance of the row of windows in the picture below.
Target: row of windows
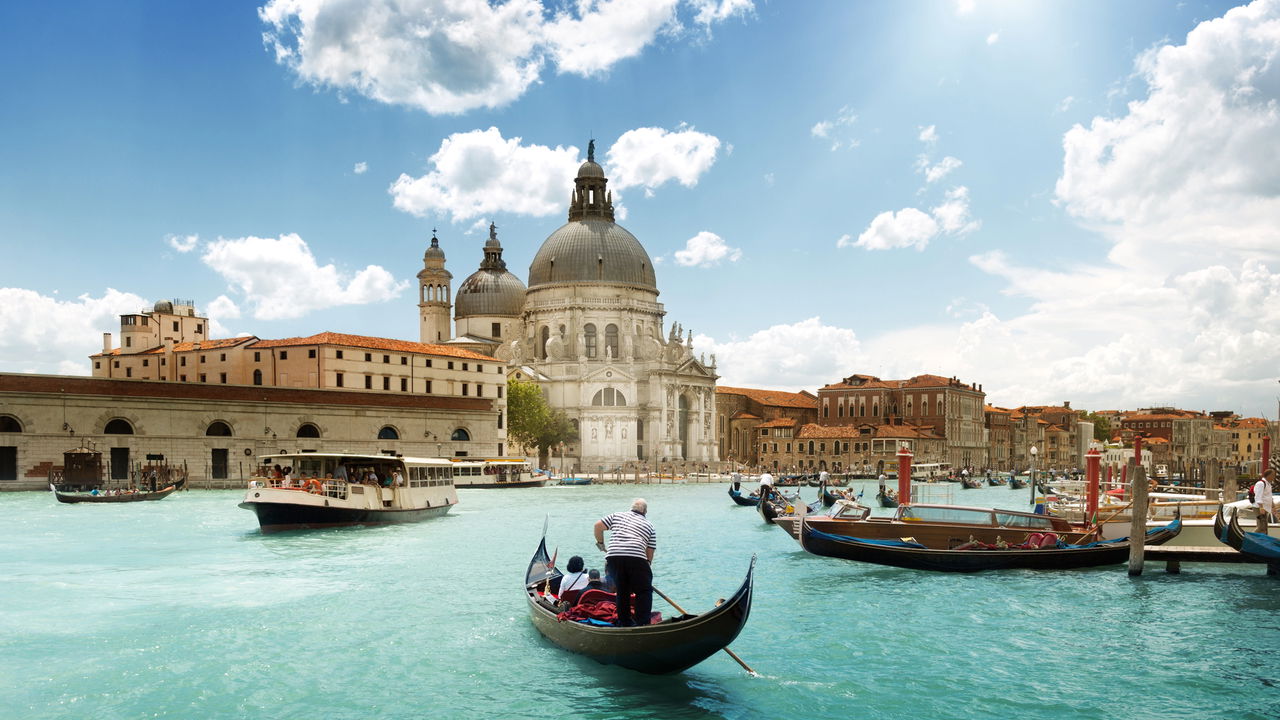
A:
(836, 446)
(218, 428)
(590, 340)
(311, 353)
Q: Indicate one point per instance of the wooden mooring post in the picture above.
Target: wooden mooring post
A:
(1138, 514)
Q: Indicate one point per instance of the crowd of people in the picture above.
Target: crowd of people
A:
(367, 475)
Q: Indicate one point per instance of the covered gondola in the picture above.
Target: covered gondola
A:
(739, 498)
(670, 646)
(121, 498)
(1250, 543)
(917, 556)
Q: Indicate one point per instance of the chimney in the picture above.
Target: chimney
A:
(1066, 405)
(106, 342)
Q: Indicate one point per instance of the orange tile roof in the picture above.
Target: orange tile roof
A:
(375, 343)
(994, 409)
(186, 346)
(743, 415)
(811, 430)
(919, 381)
(778, 422)
(776, 398)
(1143, 418)
(1251, 422)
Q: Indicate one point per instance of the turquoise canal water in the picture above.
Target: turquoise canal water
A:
(182, 609)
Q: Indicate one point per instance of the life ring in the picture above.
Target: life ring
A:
(314, 486)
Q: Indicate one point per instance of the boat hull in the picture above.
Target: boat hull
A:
(510, 484)
(278, 517)
(135, 497)
(740, 499)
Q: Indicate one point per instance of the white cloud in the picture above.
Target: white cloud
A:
(1065, 104)
(280, 278)
(1193, 165)
(706, 249)
(993, 38)
(451, 56)
(953, 214)
(929, 135)
(933, 173)
(42, 334)
(908, 227)
(360, 168)
(479, 173)
(800, 356)
(845, 118)
(649, 157)
(821, 129)
(182, 243)
(964, 7)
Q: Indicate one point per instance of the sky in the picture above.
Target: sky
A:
(1073, 200)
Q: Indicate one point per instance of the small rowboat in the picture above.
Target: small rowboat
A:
(123, 498)
(917, 556)
(1249, 543)
(575, 481)
(671, 646)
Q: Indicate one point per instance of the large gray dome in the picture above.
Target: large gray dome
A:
(592, 251)
(488, 292)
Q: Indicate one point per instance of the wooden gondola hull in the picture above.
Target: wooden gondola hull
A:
(743, 500)
(886, 501)
(1251, 543)
(668, 647)
(133, 497)
(924, 558)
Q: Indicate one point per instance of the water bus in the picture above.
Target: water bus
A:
(494, 473)
(335, 489)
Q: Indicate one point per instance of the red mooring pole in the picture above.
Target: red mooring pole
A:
(904, 475)
(1092, 468)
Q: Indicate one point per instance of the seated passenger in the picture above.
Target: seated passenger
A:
(594, 582)
(574, 579)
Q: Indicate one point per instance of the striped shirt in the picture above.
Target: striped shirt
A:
(631, 534)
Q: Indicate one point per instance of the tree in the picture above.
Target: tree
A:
(1101, 426)
(532, 423)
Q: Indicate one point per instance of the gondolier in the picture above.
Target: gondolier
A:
(632, 542)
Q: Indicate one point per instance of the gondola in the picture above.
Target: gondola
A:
(971, 483)
(671, 646)
(1015, 483)
(776, 505)
(916, 556)
(741, 499)
(1249, 543)
(994, 481)
(886, 500)
(130, 497)
(828, 498)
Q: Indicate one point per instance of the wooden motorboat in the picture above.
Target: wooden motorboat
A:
(671, 646)
(916, 555)
(1257, 544)
(328, 491)
(937, 525)
(66, 497)
(740, 499)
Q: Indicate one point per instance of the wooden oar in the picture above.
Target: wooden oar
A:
(731, 653)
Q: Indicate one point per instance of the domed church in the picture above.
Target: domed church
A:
(589, 329)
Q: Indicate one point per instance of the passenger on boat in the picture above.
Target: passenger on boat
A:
(277, 472)
(1264, 498)
(573, 581)
(632, 543)
(341, 472)
(396, 479)
(594, 582)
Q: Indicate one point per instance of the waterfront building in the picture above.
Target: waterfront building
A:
(953, 409)
(999, 438)
(740, 412)
(1057, 436)
(786, 446)
(1246, 441)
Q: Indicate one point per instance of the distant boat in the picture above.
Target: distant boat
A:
(66, 497)
(494, 473)
(746, 500)
(887, 498)
(575, 481)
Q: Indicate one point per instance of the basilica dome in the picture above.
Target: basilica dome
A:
(591, 247)
(491, 290)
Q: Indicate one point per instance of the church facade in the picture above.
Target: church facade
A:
(588, 328)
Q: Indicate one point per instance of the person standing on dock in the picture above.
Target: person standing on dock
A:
(627, 560)
(1264, 499)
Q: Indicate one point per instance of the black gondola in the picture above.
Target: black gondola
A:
(775, 504)
(971, 483)
(1015, 483)
(913, 555)
(741, 499)
(125, 498)
(670, 646)
(994, 481)
(1249, 543)
(886, 498)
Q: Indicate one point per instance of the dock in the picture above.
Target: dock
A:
(1173, 557)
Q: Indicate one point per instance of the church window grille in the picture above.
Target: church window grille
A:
(307, 430)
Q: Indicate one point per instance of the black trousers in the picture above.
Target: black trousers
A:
(632, 575)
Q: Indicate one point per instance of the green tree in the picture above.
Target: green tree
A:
(531, 421)
(1101, 426)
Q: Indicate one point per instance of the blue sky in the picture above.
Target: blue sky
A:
(1058, 200)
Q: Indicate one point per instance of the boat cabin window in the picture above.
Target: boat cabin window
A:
(955, 515)
(1018, 520)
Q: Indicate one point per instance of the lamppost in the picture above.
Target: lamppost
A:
(1033, 452)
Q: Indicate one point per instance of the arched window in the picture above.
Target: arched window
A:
(10, 424)
(609, 397)
(589, 335)
(810, 447)
(307, 430)
(257, 377)
(388, 433)
(611, 340)
(218, 429)
(460, 435)
(118, 426)
(542, 343)
(875, 409)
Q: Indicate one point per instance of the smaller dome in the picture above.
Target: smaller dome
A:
(434, 251)
(590, 169)
(489, 292)
(164, 306)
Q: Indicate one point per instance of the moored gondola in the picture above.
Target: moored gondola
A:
(1251, 543)
(917, 556)
(670, 646)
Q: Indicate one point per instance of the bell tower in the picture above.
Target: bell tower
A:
(434, 295)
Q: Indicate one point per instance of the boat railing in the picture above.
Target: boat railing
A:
(329, 487)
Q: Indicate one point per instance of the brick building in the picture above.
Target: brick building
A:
(740, 413)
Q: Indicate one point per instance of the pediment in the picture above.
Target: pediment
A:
(691, 366)
(608, 374)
